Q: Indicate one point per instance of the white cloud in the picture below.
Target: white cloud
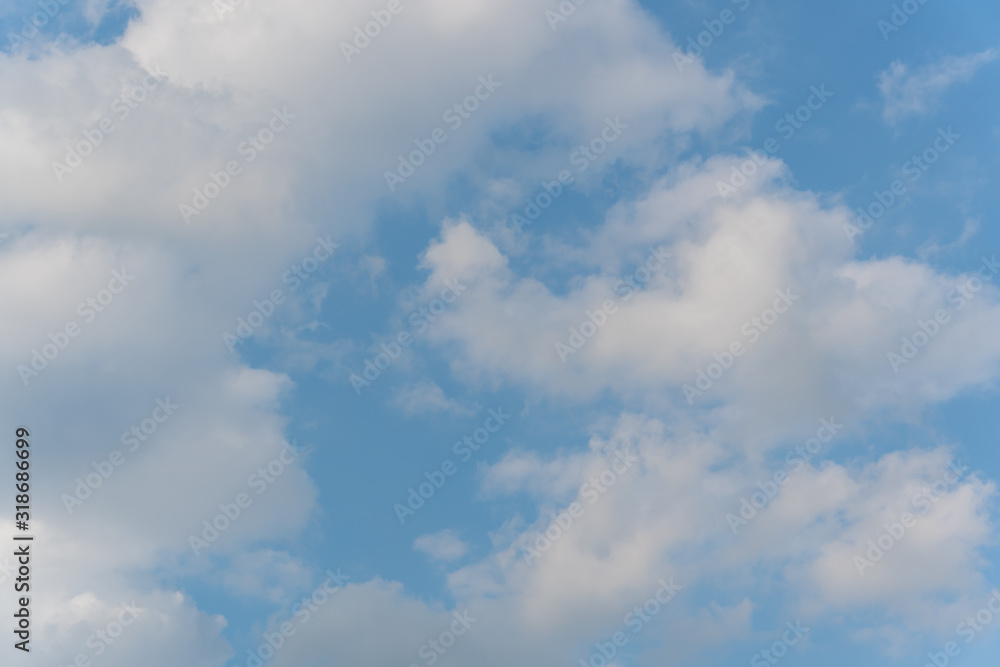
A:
(525, 471)
(167, 627)
(427, 397)
(441, 546)
(931, 248)
(265, 575)
(666, 518)
(162, 336)
(917, 93)
(221, 79)
(828, 353)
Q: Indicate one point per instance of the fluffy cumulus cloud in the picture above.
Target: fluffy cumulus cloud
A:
(763, 286)
(662, 508)
(156, 189)
(104, 144)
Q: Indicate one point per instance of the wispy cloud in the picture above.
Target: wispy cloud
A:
(427, 397)
(931, 248)
(917, 93)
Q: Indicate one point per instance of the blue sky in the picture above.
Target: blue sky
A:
(214, 79)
